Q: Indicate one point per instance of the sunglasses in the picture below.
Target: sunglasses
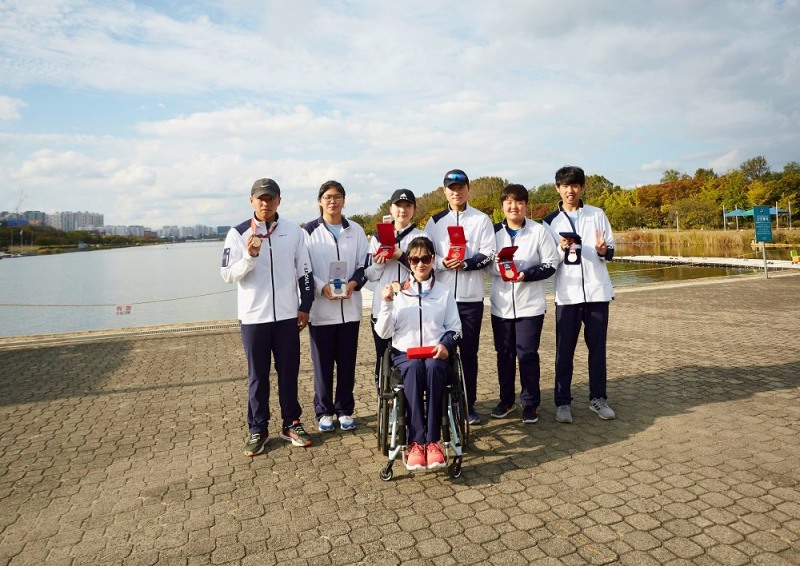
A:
(425, 259)
(456, 177)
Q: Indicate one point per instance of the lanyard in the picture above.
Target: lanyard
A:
(422, 294)
(571, 223)
(254, 227)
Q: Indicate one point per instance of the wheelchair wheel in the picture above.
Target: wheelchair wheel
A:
(462, 412)
(455, 470)
(384, 401)
(383, 426)
(387, 473)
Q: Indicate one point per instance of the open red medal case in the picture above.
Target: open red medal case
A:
(508, 270)
(386, 238)
(458, 243)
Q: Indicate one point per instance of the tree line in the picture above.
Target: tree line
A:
(49, 237)
(694, 201)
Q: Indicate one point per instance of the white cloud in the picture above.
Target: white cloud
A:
(659, 166)
(10, 108)
(170, 115)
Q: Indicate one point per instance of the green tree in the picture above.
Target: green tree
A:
(673, 175)
(705, 175)
(366, 221)
(544, 194)
(755, 168)
(791, 168)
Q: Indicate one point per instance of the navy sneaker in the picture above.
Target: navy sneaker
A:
(529, 415)
(502, 410)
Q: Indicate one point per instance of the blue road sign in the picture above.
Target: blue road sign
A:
(763, 223)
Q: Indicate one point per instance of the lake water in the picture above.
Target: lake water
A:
(167, 284)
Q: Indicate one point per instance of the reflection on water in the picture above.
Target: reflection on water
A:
(623, 273)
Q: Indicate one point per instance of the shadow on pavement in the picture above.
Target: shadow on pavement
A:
(501, 445)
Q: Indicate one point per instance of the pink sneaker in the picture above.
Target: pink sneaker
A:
(416, 457)
(435, 456)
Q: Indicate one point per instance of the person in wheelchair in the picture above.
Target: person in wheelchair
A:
(422, 320)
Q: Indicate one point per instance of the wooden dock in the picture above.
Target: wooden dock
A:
(736, 262)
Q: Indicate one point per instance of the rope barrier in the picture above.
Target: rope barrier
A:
(115, 304)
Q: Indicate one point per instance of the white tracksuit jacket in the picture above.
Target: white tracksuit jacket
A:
(537, 257)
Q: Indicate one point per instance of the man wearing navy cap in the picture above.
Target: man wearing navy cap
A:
(464, 276)
(268, 259)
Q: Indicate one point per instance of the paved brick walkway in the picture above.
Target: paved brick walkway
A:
(128, 450)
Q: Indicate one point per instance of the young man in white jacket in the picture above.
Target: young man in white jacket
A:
(268, 260)
(464, 276)
(518, 302)
(583, 291)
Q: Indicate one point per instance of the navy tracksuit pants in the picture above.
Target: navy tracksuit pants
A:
(420, 376)
(594, 317)
(262, 342)
(334, 344)
(471, 315)
(518, 339)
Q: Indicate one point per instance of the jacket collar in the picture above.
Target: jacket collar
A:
(561, 205)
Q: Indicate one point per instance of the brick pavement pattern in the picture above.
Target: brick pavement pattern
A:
(128, 450)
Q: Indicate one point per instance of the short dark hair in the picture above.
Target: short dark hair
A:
(421, 242)
(330, 185)
(570, 175)
(515, 191)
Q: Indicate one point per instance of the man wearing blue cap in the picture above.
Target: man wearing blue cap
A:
(463, 272)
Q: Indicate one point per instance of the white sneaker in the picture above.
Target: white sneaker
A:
(602, 409)
(326, 423)
(564, 414)
(347, 422)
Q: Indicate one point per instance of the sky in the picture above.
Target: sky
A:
(164, 112)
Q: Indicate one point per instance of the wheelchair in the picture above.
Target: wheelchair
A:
(391, 431)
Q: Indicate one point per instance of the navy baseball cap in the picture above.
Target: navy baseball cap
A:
(455, 176)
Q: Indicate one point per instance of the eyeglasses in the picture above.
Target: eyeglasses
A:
(333, 198)
(425, 259)
(456, 177)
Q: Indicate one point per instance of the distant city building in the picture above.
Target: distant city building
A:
(68, 221)
(223, 230)
(35, 217)
(136, 231)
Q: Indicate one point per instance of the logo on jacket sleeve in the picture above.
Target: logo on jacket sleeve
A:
(226, 257)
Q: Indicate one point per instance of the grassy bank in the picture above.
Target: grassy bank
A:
(725, 239)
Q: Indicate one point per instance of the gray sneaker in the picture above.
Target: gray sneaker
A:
(602, 409)
(564, 414)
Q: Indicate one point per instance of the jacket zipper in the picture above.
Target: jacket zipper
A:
(272, 277)
(419, 298)
(336, 241)
(455, 285)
